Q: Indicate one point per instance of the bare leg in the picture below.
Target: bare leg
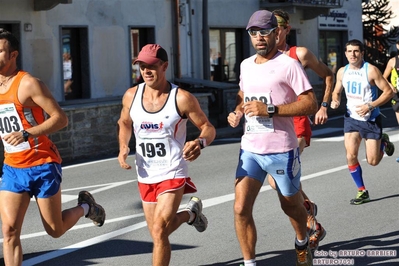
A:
(12, 210)
(301, 144)
(55, 221)
(294, 209)
(246, 191)
(162, 220)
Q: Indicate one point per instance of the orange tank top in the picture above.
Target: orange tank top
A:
(16, 117)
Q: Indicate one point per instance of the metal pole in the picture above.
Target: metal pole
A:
(176, 39)
(205, 40)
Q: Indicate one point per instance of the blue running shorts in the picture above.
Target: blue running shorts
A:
(42, 181)
(366, 129)
(284, 167)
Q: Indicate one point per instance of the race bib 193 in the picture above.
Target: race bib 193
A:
(153, 153)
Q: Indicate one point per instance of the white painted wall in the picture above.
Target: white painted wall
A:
(107, 23)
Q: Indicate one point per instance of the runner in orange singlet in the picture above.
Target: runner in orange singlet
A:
(32, 164)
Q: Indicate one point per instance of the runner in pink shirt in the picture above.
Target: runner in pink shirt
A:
(270, 85)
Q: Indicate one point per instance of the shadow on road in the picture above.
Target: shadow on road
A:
(108, 249)
(370, 250)
(382, 198)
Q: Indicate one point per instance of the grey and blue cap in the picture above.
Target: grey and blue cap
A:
(262, 19)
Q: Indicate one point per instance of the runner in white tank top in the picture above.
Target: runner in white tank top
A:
(157, 112)
(359, 91)
(160, 138)
(362, 120)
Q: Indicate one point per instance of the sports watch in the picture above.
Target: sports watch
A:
(25, 135)
(324, 104)
(270, 110)
(202, 142)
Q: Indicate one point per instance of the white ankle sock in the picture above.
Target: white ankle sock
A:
(301, 243)
(250, 262)
(86, 208)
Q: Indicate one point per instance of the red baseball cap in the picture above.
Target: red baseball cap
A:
(151, 54)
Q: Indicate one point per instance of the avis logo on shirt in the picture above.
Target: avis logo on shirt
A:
(151, 126)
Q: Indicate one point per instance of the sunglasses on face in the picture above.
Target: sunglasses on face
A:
(263, 32)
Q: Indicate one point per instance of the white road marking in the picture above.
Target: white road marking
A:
(66, 198)
(88, 163)
(331, 139)
(81, 226)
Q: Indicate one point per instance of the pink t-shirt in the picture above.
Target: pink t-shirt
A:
(278, 81)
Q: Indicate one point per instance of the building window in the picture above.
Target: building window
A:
(225, 55)
(139, 37)
(331, 48)
(75, 63)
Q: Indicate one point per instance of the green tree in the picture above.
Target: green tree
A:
(377, 14)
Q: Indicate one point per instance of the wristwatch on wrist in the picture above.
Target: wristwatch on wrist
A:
(270, 110)
(25, 135)
(202, 142)
(324, 104)
(371, 108)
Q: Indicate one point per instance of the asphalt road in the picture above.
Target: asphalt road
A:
(356, 235)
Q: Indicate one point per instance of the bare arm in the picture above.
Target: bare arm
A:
(189, 106)
(234, 117)
(389, 67)
(376, 78)
(309, 60)
(387, 72)
(306, 105)
(125, 128)
(33, 92)
(41, 96)
(337, 92)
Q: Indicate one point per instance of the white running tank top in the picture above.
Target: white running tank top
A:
(160, 138)
(359, 91)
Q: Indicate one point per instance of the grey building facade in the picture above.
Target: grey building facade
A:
(102, 37)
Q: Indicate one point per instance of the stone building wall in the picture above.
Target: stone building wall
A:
(91, 132)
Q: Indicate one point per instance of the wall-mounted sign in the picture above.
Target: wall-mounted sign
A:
(336, 19)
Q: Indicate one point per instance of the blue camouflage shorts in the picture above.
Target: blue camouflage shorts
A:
(284, 167)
